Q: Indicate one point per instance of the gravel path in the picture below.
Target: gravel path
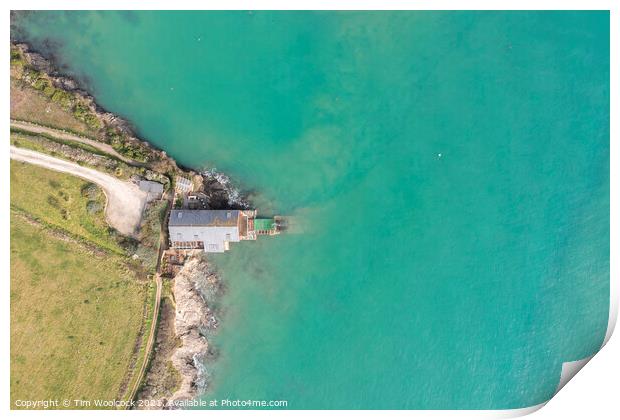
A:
(125, 201)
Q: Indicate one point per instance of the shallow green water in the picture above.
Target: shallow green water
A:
(450, 170)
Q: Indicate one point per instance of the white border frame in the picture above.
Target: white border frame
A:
(599, 377)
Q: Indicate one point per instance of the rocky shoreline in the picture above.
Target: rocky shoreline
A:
(120, 134)
(182, 342)
(196, 285)
(112, 128)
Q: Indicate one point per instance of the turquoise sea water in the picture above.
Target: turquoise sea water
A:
(450, 171)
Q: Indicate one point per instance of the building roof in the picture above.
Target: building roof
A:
(183, 184)
(151, 186)
(204, 218)
(263, 224)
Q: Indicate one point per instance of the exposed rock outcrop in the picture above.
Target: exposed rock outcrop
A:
(195, 285)
(221, 192)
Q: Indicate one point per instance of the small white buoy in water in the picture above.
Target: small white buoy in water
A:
(439, 155)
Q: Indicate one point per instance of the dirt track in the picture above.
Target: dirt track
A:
(125, 201)
(63, 135)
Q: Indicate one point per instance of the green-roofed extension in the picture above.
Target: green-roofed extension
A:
(263, 224)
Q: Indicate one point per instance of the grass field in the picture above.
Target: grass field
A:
(75, 317)
(62, 201)
(80, 306)
(30, 105)
(77, 309)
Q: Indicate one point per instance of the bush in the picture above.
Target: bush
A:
(135, 151)
(53, 201)
(114, 138)
(92, 121)
(30, 75)
(83, 113)
(64, 99)
(147, 255)
(130, 245)
(49, 91)
(41, 83)
(90, 190)
(16, 57)
(93, 207)
(63, 195)
(80, 110)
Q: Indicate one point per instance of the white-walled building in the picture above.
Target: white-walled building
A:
(210, 230)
